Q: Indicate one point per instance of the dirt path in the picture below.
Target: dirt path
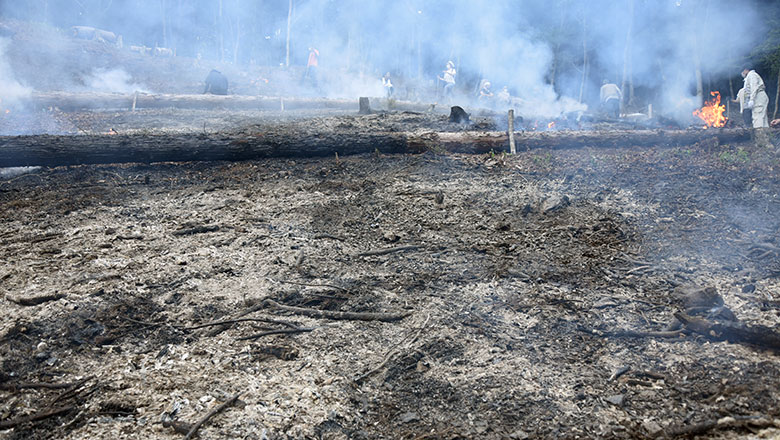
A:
(507, 265)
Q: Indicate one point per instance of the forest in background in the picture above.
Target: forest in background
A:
(657, 51)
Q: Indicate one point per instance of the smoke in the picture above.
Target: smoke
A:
(551, 55)
(13, 93)
(112, 81)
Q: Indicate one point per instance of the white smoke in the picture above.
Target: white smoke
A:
(113, 81)
(13, 93)
(535, 48)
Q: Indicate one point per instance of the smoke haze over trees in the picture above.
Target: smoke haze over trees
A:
(665, 51)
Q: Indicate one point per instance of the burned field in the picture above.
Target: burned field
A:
(429, 295)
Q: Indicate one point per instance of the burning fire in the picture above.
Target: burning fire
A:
(6, 111)
(712, 112)
(551, 124)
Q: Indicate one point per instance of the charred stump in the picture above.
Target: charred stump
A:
(458, 115)
(365, 107)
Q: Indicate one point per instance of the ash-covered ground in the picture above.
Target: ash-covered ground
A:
(517, 273)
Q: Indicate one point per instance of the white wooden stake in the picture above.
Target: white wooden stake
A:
(512, 148)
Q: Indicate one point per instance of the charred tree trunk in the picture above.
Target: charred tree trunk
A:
(364, 106)
(292, 141)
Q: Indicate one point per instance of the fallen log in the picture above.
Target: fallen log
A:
(67, 101)
(758, 422)
(737, 332)
(293, 141)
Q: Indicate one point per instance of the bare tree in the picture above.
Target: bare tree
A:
(289, 26)
(585, 60)
(697, 55)
(235, 31)
(558, 37)
(777, 95)
(164, 26)
(627, 68)
(221, 30)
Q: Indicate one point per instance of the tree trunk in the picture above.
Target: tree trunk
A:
(697, 56)
(585, 61)
(289, 26)
(295, 141)
(164, 26)
(699, 84)
(554, 69)
(777, 94)
(627, 57)
(221, 27)
(731, 87)
(237, 39)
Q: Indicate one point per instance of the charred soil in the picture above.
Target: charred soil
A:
(514, 277)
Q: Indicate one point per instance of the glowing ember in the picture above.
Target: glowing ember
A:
(712, 112)
(551, 124)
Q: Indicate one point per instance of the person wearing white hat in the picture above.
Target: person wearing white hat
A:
(448, 76)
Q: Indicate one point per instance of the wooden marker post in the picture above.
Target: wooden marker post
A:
(511, 133)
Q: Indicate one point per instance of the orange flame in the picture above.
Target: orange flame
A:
(551, 124)
(712, 112)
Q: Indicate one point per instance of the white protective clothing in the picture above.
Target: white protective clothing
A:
(758, 101)
(610, 91)
(741, 100)
(449, 75)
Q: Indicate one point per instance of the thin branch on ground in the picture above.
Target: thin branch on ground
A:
(634, 334)
(308, 284)
(233, 321)
(276, 332)
(25, 385)
(328, 314)
(375, 252)
(6, 424)
(211, 414)
(392, 353)
(70, 391)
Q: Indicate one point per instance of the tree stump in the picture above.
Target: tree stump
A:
(365, 107)
(458, 115)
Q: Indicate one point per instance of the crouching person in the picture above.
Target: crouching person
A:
(216, 83)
